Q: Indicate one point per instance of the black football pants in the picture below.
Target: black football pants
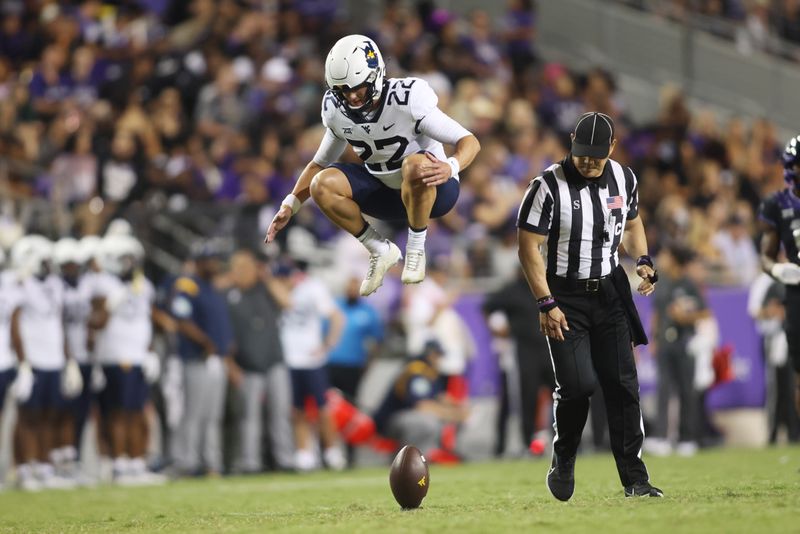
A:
(597, 348)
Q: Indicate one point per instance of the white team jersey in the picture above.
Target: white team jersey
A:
(77, 307)
(40, 322)
(125, 340)
(301, 324)
(10, 294)
(393, 131)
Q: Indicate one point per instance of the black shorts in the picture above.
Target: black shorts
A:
(793, 325)
(46, 392)
(126, 389)
(309, 383)
(378, 200)
(7, 378)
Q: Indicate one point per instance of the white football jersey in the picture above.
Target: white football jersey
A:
(126, 338)
(392, 131)
(77, 307)
(301, 324)
(10, 294)
(41, 322)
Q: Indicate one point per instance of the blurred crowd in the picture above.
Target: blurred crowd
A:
(771, 26)
(191, 120)
(138, 108)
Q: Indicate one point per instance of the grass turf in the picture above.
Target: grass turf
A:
(718, 491)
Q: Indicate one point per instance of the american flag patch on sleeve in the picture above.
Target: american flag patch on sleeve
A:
(614, 203)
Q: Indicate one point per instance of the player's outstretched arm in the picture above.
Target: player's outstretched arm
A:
(293, 201)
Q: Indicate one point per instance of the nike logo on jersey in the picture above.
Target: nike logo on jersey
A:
(387, 127)
(366, 127)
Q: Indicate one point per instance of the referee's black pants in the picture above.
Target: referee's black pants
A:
(792, 324)
(597, 348)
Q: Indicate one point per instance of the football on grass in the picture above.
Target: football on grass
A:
(409, 477)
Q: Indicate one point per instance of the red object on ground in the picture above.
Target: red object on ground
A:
(457, 388)
(537, 447)
(384, 445)
(441, 456)
(722, 362)
(448, 438)
(355, 427)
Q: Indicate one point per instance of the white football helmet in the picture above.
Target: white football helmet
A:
(119, 227)
(353, 61)
(31, 254)
(90, 246)
(68, 250)
(120, 254)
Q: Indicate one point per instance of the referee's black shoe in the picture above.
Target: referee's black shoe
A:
(561, 477)
(643, 489)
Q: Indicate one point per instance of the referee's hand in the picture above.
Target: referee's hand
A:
(553, 324)
(646, 273)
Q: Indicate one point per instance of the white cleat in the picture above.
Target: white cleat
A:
(414, 268)
(305, 461)
(334, 459)
(59, 483)
(29, 484)
(378, 265)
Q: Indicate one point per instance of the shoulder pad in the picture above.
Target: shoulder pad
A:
(184, 284)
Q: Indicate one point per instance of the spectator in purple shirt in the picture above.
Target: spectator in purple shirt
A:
(50, 85)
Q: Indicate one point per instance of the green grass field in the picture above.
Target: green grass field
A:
(720, 491)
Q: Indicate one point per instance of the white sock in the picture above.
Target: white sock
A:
(69, 453)
(373, 241)
(25, 471)
(57, 456)
(121, 465)
(44, 471)
(137, 466)
(416, 240)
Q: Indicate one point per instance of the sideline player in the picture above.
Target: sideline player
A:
(121, 315)
(396, 128)
(9, 297)
(68, 258)
(780, 224)
(47, 377)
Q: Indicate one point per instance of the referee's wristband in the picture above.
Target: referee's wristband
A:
(293, 202)
(455, 167)
(644, 259)
(546, 304)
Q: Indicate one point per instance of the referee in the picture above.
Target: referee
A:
(580, 210)
(780, 223)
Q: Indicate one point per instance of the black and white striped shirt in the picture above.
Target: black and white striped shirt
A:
(583, 219)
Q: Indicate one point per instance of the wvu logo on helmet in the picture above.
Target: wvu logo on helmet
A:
(372, 56)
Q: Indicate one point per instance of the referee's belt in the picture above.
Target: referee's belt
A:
(587, 285)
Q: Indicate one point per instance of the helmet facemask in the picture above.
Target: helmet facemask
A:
(369, 98)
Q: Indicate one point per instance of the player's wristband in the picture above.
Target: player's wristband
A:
(293, 202)
(455, 167)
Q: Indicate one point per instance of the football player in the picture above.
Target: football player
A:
(305, 349)
(46, 375)
(9, 296)
(69, 256)
(121, 315)
(780, 222)
(396, 128)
